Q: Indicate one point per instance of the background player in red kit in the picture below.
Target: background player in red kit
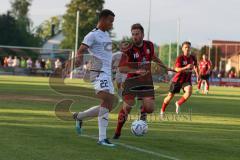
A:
(184, 65)
(136, 62)
(204, 72)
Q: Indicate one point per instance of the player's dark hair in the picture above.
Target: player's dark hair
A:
(137, 26)
(187, 43)
(105, 13)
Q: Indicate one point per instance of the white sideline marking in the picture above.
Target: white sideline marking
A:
(136, 149)
(217, 97)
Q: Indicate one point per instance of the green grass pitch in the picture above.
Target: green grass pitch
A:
(29, 129)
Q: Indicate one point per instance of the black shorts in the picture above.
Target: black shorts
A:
(138, 88)
(176, 87)
(205, 77)
(139, 92)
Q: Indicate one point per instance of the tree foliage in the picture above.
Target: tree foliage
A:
(44, 31)
(164, 53)
(89, 10)
(20, 10)
(13, 35)
(15, 29)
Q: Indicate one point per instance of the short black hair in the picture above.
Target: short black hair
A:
(137, 26)
(105, 13)
(187, 43)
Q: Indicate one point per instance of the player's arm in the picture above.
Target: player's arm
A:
(79, 57)
(114, 65)
(195, 68)
(209, 67)
(187, 68)
(129, 67)
(159, 62)
(87, 42)
(199, 67)
(125, 69)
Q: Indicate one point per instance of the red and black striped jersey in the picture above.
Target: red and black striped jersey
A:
(181, 62)
(204, 66)
(138, 57)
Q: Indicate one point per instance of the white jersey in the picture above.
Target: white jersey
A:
(100, 47)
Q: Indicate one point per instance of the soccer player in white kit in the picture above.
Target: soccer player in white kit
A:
(99, 45)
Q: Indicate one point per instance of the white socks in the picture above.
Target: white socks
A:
(91, 112)
(102, 114)
(103, 123)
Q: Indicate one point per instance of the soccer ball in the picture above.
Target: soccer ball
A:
(139, 128)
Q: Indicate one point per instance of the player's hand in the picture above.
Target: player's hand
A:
(171, 70)
(189, 66)
(78, 61)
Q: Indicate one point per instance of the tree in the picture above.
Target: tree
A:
(89, 10)
(164, 53)
(44, 31)
(20, 9)
(15, 26)
(8, 30)
(12, 34)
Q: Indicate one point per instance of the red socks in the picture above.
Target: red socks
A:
(122, 117)
(181, 101)
(143, 113)
(207, 85)
(164, 106)
(199, 84)
(143, 109)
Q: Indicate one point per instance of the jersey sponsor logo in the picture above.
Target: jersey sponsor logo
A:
(108, 46)
(185, 63)
(204, 66)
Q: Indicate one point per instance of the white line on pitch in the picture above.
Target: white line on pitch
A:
(137, 149)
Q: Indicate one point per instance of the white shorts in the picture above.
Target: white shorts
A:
(103, 82)
(120, 77)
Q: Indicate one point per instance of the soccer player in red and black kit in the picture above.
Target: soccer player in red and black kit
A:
(136, 62)
(184, 65)
(205, 69)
